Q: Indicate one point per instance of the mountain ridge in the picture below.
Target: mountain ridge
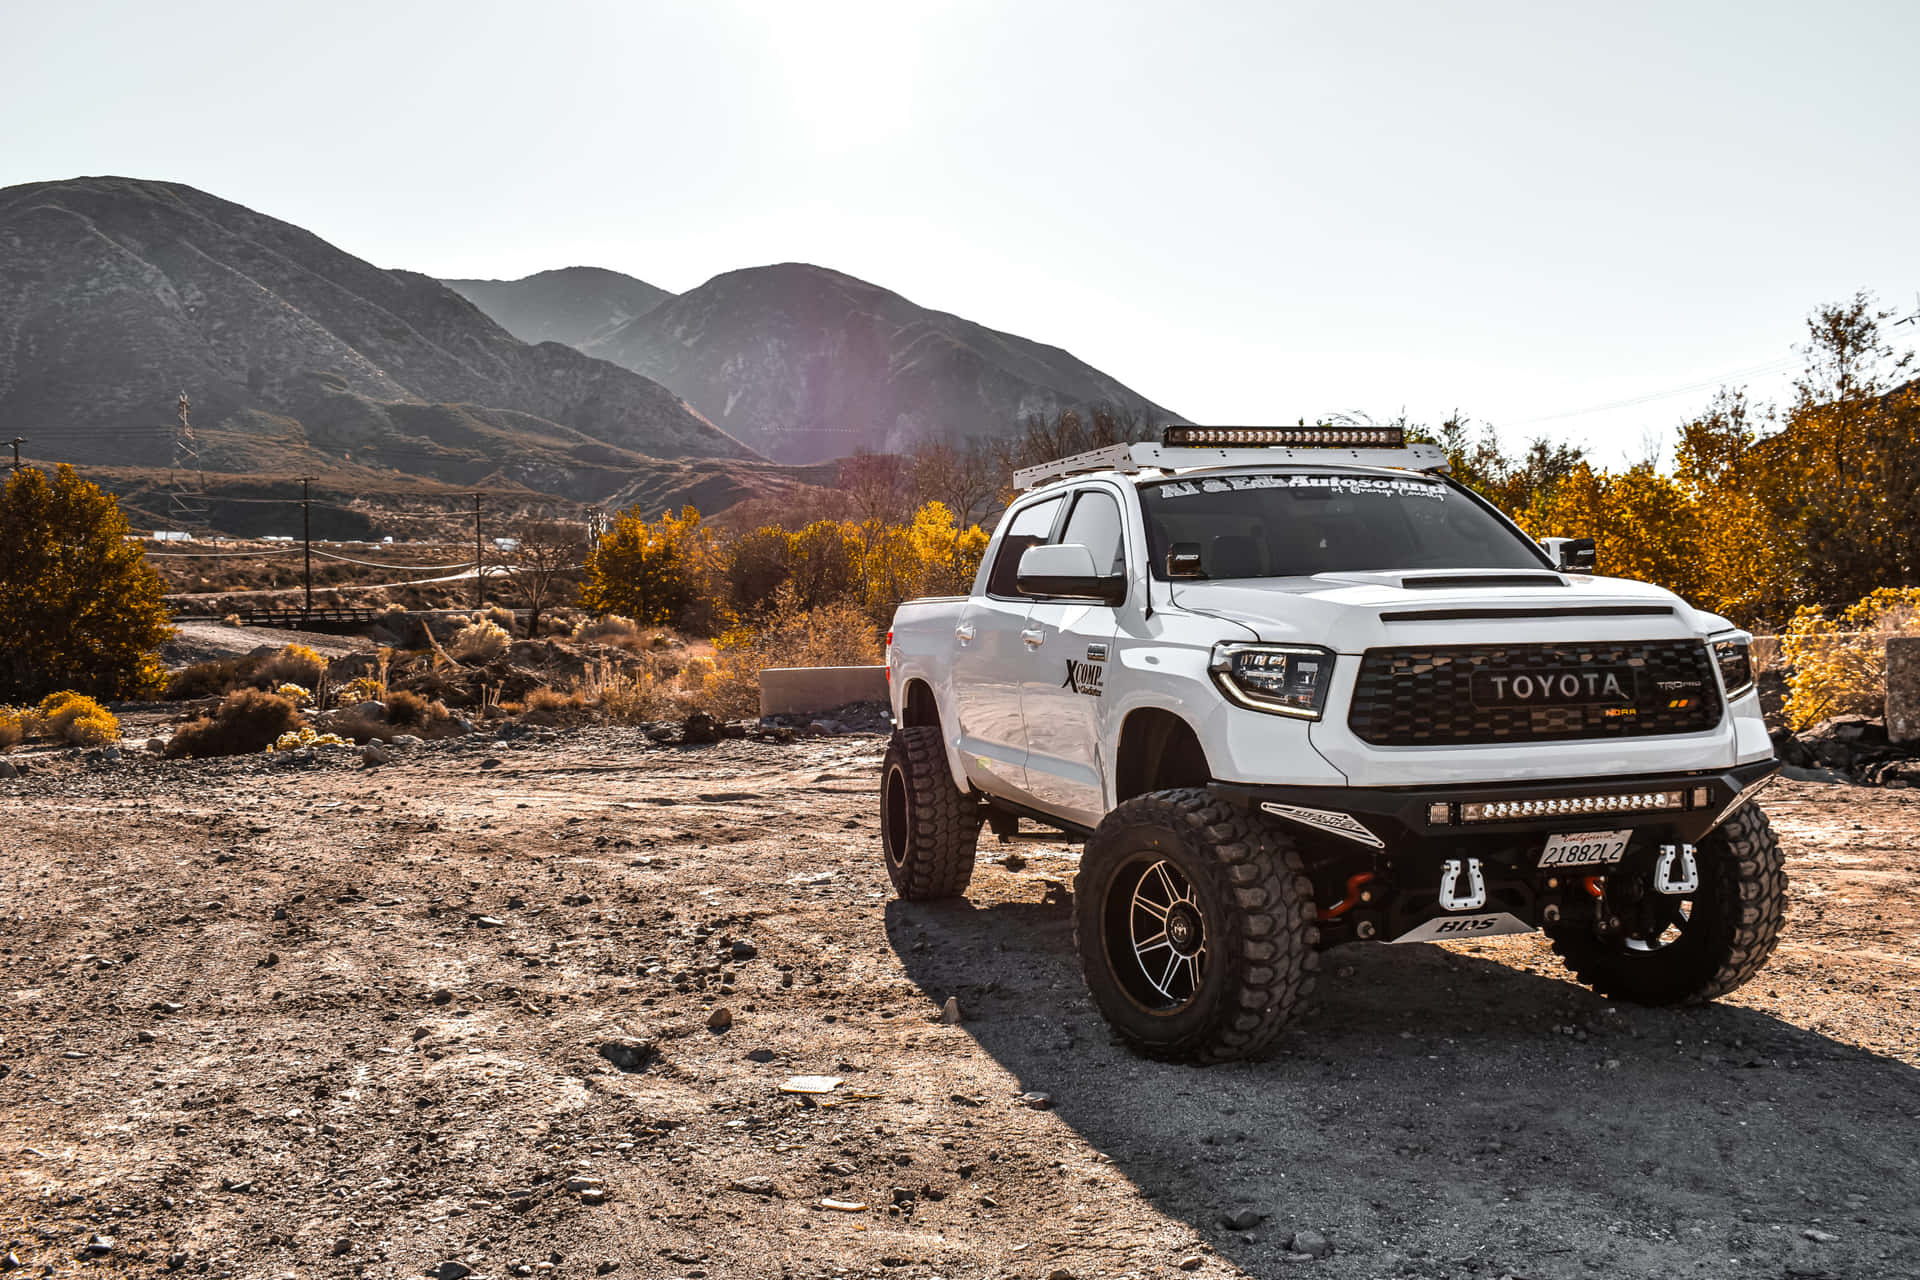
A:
(571, 305)
(805, 362)
(117, 293)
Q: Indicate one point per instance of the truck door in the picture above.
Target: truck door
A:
(1068, 651)
(990, 659)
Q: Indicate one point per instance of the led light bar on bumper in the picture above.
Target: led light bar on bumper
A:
(1287, 680)
(1289, 437)
(1735, 657)
(1642, 802)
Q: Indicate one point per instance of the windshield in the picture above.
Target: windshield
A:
(1278, 526)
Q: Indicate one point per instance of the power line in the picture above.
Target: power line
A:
(1772, 366)
(222, 555)
(375, 564)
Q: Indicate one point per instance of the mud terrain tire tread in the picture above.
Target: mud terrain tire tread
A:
(942, 825)
(1270, 929)
(1752, 907)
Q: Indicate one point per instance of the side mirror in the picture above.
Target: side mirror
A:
(1065, 571)
(1571, 555)
(1183, 561)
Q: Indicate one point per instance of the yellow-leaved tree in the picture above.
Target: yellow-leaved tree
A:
(656, 572)
(1838, 666)
(1644, 522)
(80, 607)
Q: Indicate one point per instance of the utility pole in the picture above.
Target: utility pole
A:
(479, 561)
(306, 534)
(16, 442)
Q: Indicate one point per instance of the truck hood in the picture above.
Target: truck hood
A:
(1353, 612)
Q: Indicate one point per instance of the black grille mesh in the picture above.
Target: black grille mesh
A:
(1416, 696)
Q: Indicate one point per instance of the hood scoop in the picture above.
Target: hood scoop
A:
(1471, 581)
(1470, 614)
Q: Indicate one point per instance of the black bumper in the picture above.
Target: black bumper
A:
(1400, 818)
(1378, 857)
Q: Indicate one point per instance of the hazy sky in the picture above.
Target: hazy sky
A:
(1248, 212)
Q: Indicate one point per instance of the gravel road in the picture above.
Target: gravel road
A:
(527, 1009)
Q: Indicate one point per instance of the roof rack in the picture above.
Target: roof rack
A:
(1190, 448)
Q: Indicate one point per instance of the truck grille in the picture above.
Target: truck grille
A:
(1417, 696)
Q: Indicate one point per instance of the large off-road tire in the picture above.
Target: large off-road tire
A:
(927, 827)
(1717, 938)
(1234, 955)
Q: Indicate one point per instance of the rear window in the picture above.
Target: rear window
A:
(1264, 525)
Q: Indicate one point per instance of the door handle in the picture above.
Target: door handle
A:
(963, 633)
(1034, 637)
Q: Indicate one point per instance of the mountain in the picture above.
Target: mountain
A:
(117, 293)
(803, 363)
(574, 305)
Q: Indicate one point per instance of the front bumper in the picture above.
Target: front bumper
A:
(1379, 857)
(1400, 819)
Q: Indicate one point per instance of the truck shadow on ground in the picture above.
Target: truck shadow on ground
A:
(1437, 1113)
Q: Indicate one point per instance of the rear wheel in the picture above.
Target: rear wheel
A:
(1689, 948)
(1195, 926)
(927, 827)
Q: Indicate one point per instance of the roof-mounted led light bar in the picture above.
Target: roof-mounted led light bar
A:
(1199, 448)
(1288, 437)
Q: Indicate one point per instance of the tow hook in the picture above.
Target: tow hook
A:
(1476, 894)
(1664, 880)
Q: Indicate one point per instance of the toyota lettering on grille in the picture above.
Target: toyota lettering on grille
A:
(1583, 686)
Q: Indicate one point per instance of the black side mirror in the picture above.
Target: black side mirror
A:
(1571, 555)
(1065, 571)
(1183, 560)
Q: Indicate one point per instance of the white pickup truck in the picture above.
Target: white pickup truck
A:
(1296, 688)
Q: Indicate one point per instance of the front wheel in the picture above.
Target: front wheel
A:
(927, 827)
(1195, 927)
(1691, 948)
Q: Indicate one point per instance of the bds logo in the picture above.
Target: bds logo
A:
(1465, 924)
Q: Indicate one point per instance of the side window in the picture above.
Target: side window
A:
(1029, 527)
(1095, 525)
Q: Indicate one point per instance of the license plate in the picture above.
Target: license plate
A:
(1581, 686)
(1585, 849)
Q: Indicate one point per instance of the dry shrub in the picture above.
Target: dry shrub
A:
(554, 700)
(831, 635)
(295, 664)
(500, 617)
(210, 679)
(611, 629)
(248, 720)
(359, 689)
(13, 727)
(76, 720)
(636, 698)
(1838, 666)
(623, 633)
(361, 728)
(480, 640)
(304, 736)
(411, 711)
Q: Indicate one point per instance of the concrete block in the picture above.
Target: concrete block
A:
(801, 691)
(1903, 689)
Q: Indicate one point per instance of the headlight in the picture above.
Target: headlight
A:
(1736, 665)
(1289, 680)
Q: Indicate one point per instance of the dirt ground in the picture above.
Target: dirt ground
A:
(326, 1020)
